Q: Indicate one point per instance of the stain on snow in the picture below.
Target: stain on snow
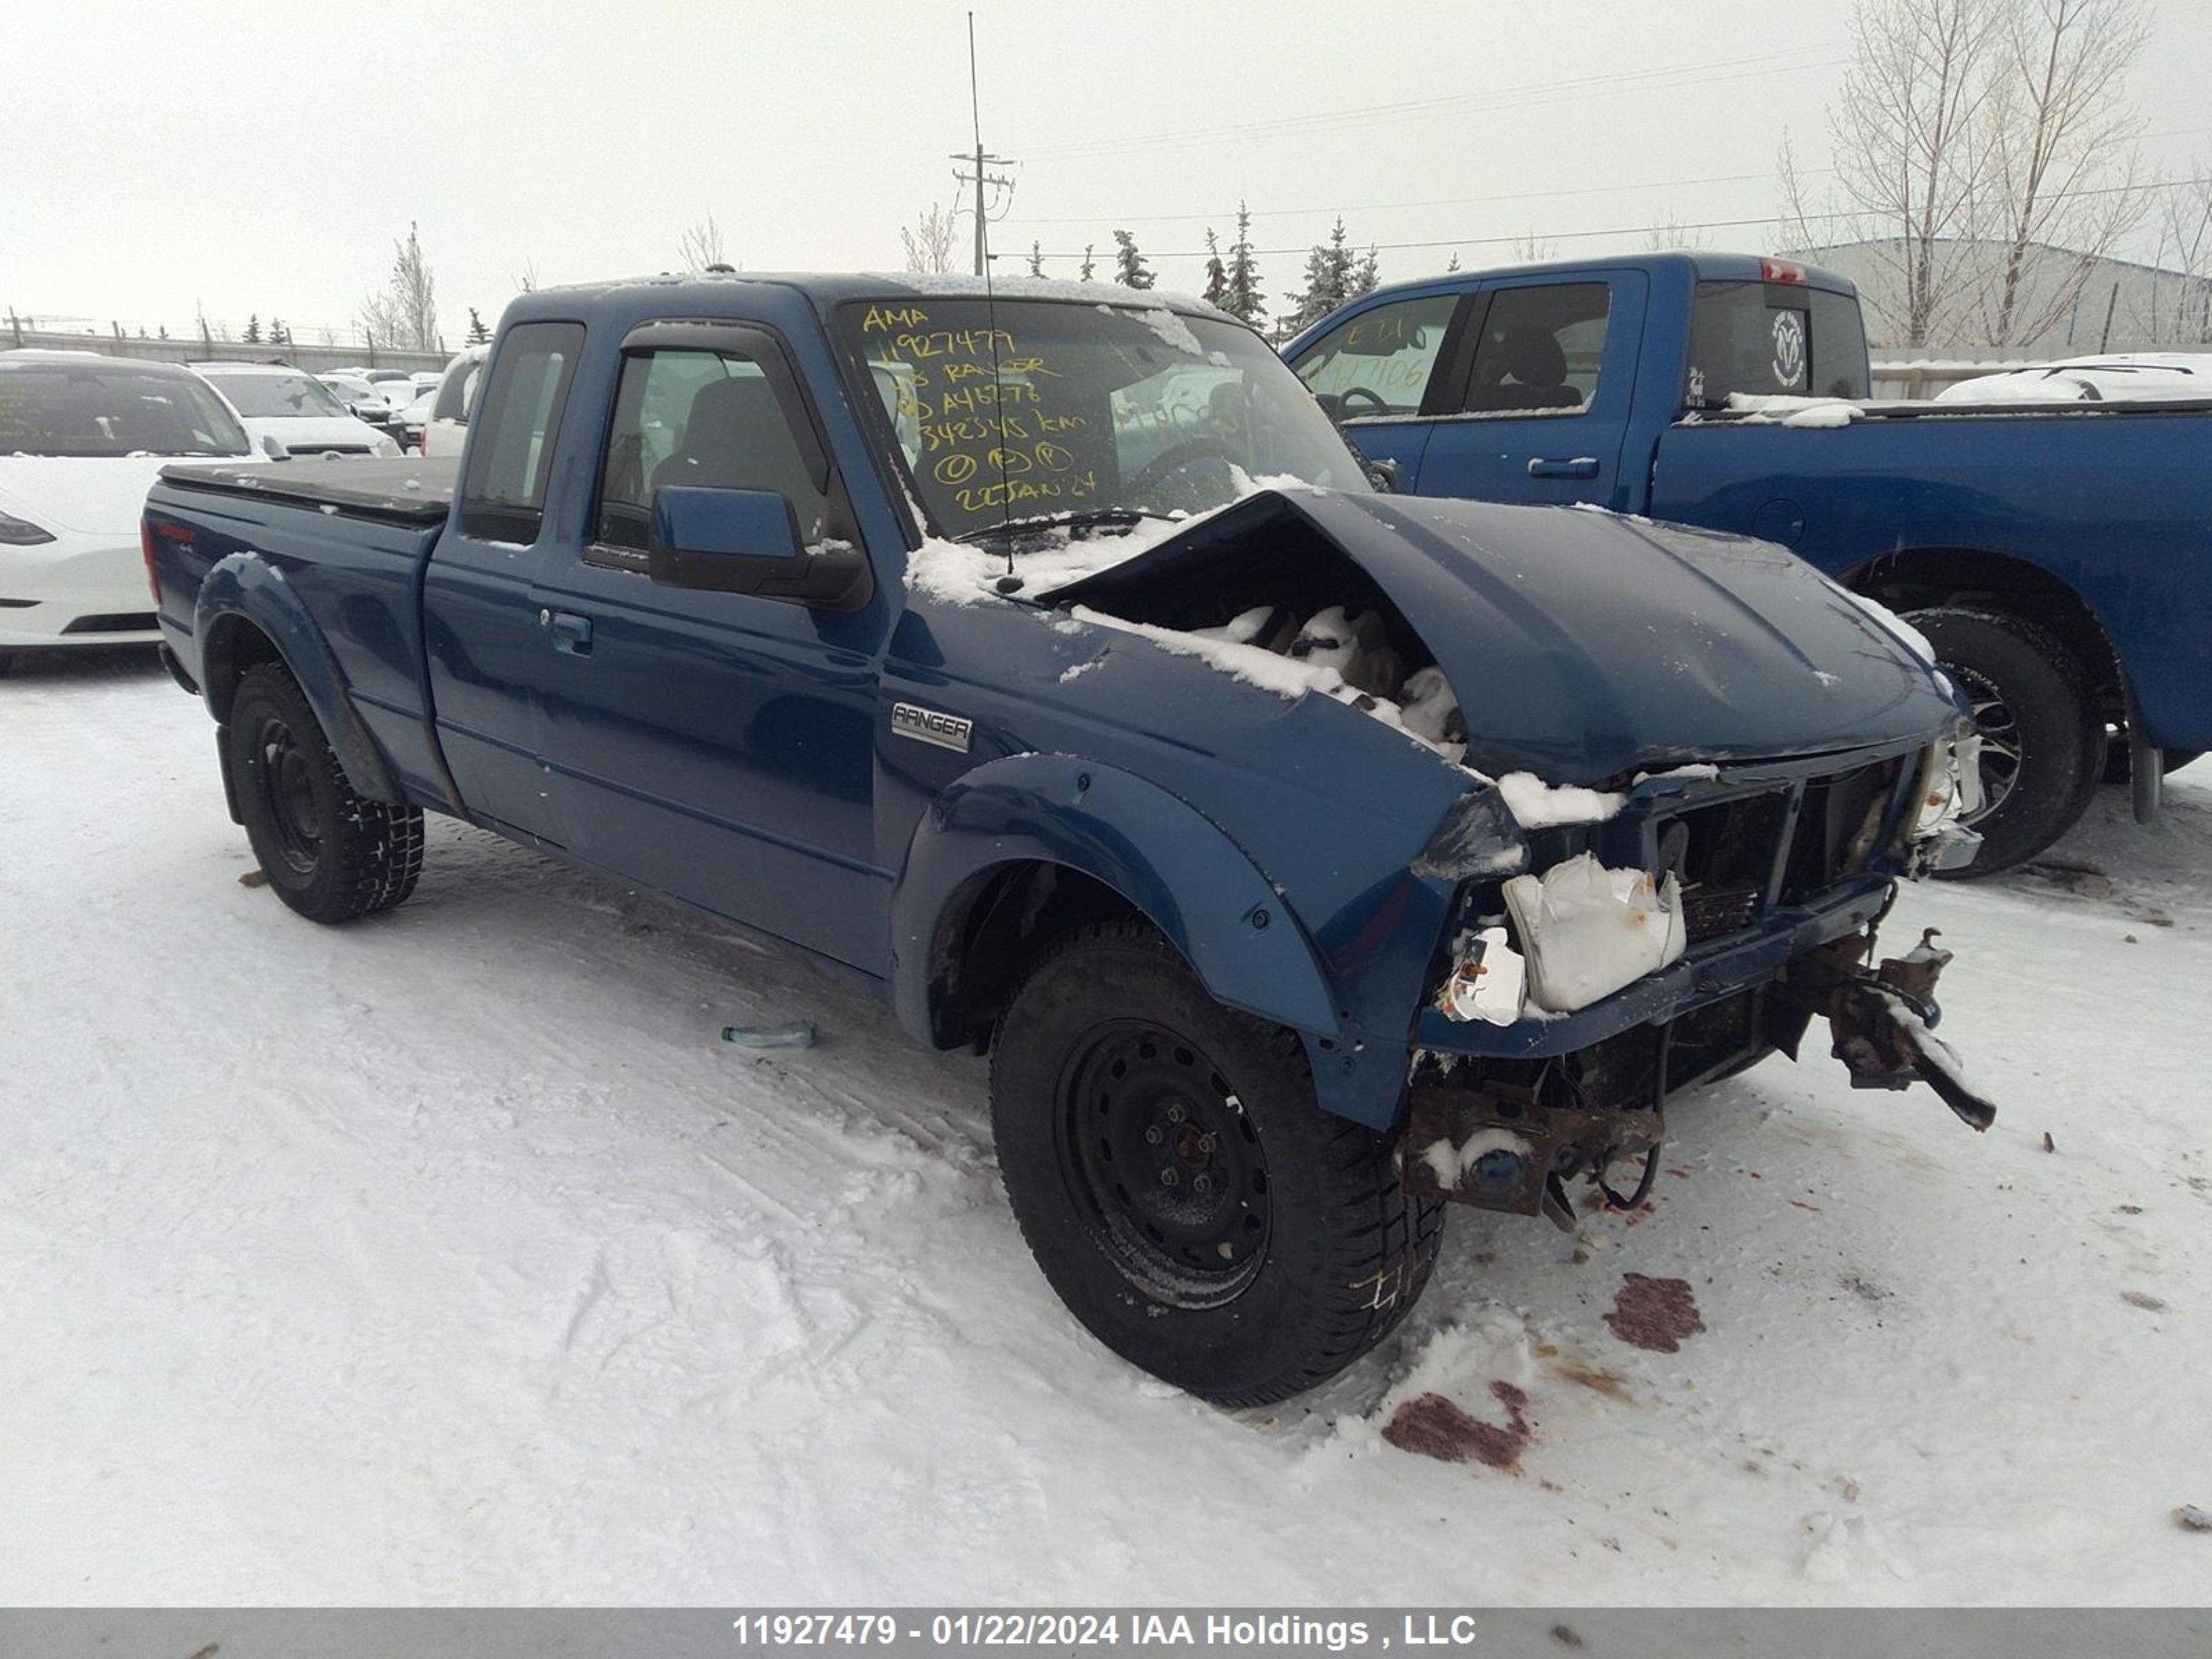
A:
(1433, 1426)
(2144, 1300)
(1657, 1313)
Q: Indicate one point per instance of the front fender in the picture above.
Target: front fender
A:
(1178, 866)
(245, 591)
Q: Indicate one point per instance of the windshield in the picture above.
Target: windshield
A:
(277, 397)
(111, 409)
(1056, 409)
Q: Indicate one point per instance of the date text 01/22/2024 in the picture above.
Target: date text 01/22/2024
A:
(1260, 1632)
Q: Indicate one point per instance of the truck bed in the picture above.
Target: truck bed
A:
(410, 490)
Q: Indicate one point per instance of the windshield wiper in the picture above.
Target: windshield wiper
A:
(1080, 519)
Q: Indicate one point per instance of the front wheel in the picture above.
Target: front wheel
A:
(2042, 729)
(1183, 1191)
(331, 853)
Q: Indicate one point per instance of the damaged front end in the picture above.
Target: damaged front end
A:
(1703, 928)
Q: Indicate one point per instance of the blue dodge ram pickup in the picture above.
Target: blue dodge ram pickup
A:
(1043, 662)
(2060, 562)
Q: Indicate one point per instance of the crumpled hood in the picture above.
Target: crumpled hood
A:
(1583, 645)
(92, 495)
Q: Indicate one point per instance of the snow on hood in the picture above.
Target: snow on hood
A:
(92, 495)
(294, 431)
(1583, 647)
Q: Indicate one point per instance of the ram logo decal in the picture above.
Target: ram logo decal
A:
(928, 726)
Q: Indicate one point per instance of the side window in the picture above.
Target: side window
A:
(699, 417)
(1379, 363)
(1539, 349)
(503, 495)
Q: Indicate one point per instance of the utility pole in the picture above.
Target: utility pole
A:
(981, 161)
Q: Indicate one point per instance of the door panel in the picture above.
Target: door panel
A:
(1382, 369)
(482, 642)
(1544, 410)
(716, 746)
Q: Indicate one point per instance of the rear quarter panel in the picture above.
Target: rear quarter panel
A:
(357, 578)
(2117, 506)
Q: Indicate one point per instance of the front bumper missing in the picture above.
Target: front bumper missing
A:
(1883, 1020)
(1514, 1144)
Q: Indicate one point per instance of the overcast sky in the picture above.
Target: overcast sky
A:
(263, 159)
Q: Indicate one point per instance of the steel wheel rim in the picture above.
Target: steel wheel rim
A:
(1160, 1154)
(287, 781)
(2002, 746)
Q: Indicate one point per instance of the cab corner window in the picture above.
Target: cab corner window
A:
(504, 496)
(1378, 362)
(1539, 349)
(701, 416)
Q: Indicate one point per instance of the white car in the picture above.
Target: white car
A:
(449, 407)
(294, 409)
(82, 437)
(366, 399)
(2118, 377)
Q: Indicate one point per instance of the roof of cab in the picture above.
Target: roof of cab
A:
(1696, 266)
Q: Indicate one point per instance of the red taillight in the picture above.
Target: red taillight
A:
(148, 529)
(1780, 270)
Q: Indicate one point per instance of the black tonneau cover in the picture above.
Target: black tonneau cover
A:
(404, 491)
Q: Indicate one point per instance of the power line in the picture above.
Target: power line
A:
(1662, 77)
(1639, 230)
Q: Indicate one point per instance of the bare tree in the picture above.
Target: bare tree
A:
(701, 246)
(1670, 233)
(1529, 248)
(1913, 145)
(928, 240)
(2063, 151)
(2178, 310)
(526, 280)
(405, 314)
(416, 290)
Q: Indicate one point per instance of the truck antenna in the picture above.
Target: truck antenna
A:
(1009, 581)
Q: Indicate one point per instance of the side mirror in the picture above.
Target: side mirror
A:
(274, 449)
(747, 541)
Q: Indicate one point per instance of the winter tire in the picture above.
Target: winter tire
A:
(2043, 732)
(330, 854)
(1183, 1191)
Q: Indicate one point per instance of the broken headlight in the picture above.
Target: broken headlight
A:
(1947, 792)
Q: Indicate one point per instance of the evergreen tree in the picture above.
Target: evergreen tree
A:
(278, 334)
(1036, 258)
(1090, 265)
(479, 334)
(1242, 299)
(1217, 274)
(1453, 265)
(253, 329)
(1329, 281)
(1129, 264)
(1364, 276)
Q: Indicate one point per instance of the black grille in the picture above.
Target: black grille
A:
(1709, 912)
(308, 451)
(134, 621)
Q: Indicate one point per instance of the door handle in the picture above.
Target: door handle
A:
(1545, 466)
(571, 633)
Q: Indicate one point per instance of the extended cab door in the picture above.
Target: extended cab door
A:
(1544, 374)
(482, 640)
(716, 747)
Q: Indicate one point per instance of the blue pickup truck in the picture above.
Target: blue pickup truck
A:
(1042, 661)
(2059, 561)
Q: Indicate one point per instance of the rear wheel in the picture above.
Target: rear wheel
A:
(331, 853)
(2042, 732)
(1183, 1191)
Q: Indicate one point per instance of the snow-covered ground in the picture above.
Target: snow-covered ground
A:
(451, 1257)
